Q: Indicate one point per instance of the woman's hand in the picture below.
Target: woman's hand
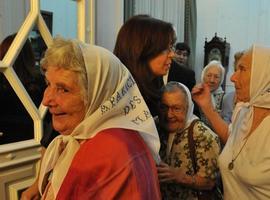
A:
(201, 95)
(169, 174)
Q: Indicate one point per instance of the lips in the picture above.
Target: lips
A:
(58, 114)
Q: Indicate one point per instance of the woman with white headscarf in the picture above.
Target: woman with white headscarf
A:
(181, 180)
(245, 159)
(213, 75)
(108, 140)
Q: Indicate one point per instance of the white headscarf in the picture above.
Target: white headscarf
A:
(222, 76)
(190, 106)
(114, 102)
(242, 118)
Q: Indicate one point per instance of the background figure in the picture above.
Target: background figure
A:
(228, 105)
(89, 94)
(176, 120)
(229, 99)
(247, 137)
(15, 122)
(180, 70)
(145, 45)
(213, 75)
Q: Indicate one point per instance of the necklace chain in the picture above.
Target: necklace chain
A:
(262, 116)
(231, 164)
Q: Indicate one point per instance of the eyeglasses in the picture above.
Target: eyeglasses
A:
(169, 50)
(175, 109)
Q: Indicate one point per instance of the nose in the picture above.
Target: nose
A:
(170, 113)
(233, 77)
(181, 56)
(48, 97)
(212, 79)
(171, 54)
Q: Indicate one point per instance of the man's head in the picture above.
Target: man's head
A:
(173, 107)
(182, 52)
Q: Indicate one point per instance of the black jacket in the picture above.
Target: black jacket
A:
(182, 74)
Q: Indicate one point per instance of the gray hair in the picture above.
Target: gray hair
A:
(66, 54)
(214, 63)
(174, 86)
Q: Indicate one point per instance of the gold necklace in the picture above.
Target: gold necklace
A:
(231, 164)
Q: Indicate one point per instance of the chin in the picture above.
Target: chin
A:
(172, 129)
(60, 129)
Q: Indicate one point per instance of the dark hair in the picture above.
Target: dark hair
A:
(25, 68)
(139, 40)
(182, 47)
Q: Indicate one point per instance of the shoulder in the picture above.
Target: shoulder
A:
(115, 137)
(113, 142)
(203, 132)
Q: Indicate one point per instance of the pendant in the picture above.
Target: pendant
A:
(230, 166)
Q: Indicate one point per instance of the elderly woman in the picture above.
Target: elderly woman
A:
(191, 167)
(245, 159)
(213, 75)
(108, 139)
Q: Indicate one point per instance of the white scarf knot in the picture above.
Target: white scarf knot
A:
(59, 153)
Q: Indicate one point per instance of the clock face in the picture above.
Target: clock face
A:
(214, 54)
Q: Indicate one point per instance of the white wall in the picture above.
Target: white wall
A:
(171, 11)
(9, 21)
(109, 19)
(242, 22)
(64, 16)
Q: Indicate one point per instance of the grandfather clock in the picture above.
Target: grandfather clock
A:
(217, 49)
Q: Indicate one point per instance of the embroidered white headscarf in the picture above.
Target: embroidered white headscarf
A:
(259, 92)
(222, 76)
(114, 102)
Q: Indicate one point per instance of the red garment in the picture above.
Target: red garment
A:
(115, 164)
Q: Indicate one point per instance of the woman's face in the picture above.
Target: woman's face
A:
(212, 77)
(241, 77)
(64, 98)
(173, 111)
(160, 64)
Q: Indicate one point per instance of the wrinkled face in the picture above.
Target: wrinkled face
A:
(64, 98)
(181, 56)
(241, 77)
(173, 111)
(160, 64)
(212, 77)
